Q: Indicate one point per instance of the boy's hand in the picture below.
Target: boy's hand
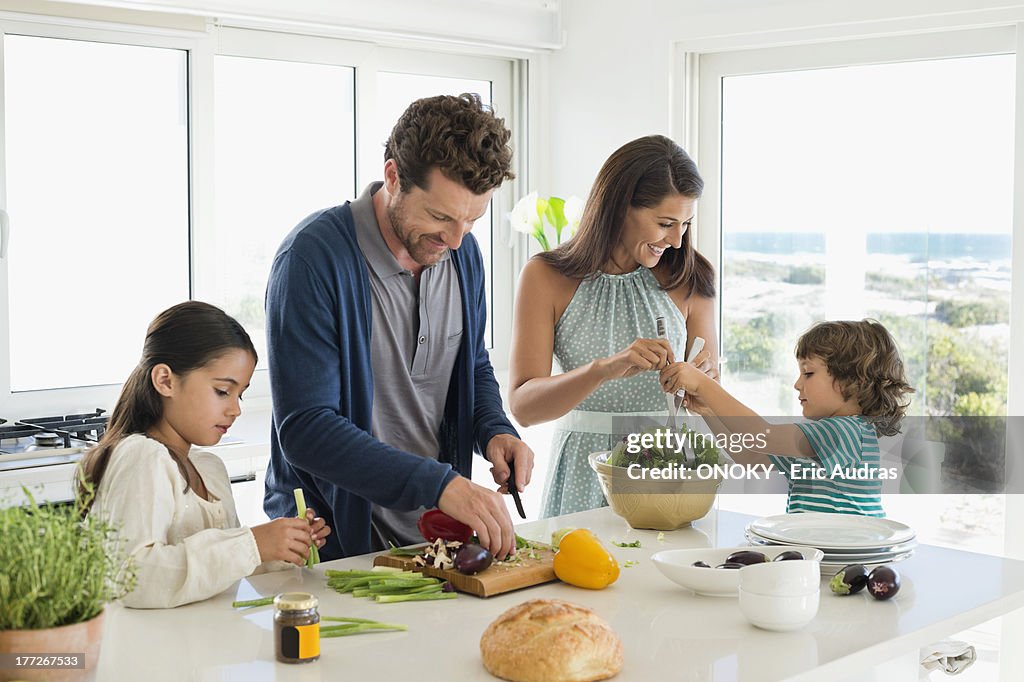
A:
(685, 375)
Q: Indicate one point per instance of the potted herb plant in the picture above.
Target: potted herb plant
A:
(58, 569)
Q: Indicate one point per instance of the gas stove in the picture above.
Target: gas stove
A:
(46, 441)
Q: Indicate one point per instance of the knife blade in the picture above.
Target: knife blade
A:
(513, 490)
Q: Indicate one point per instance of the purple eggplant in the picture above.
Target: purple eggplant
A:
(701, 564)
(849, 580)
(472, 558)
(730, 564)
(747, 557)
(883, 582)
(789, 555)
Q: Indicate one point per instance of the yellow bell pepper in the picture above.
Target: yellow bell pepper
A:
(584, 562)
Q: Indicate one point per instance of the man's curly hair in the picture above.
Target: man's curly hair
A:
(459, 135)
(865, 362)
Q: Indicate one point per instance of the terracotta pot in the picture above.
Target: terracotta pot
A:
(80, 638)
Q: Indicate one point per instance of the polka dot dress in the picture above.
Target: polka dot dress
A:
(606, 314)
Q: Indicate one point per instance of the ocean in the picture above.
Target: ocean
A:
(918, 246)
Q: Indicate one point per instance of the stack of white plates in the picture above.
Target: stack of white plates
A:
(844, 538)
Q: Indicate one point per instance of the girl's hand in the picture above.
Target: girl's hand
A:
(318, 528)
(685, 375)
(284, 539)
(642, 355)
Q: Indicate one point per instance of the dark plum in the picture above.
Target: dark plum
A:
(747, 557)
(701, 564)
(789, 555)
(849, 580)
(472, 559)
(730, 564)
(883, 582)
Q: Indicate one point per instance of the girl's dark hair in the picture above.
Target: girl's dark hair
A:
(185, 337)
(639, 174)
(865, 361)
(461, 136)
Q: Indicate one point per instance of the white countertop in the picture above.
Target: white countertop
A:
(667, 632)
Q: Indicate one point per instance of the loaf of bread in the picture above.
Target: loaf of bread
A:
(548, 640)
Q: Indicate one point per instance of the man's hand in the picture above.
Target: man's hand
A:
(482, 510)
(505, 448)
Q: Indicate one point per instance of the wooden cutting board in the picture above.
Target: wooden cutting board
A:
(497, 579)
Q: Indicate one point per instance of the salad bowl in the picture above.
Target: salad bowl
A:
(654, 503)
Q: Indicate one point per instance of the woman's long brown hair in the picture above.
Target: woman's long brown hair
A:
(185, 337)
(640, 174)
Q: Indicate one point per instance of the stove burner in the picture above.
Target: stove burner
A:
(47, 440)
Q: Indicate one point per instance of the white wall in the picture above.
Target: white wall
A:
(613, 79)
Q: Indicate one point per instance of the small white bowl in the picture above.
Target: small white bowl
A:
(677, 566)
(783, 614)
(782, 578)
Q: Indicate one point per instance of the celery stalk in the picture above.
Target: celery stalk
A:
(300, 505)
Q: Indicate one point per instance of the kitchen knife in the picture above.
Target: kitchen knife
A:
(513, 490)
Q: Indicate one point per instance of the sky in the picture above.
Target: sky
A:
(903, 147)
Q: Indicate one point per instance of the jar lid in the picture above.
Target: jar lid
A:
(295, 601)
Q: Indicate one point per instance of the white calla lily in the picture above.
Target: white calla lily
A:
(573, 214)
(524, 216)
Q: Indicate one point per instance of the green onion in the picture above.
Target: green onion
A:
(635, 543)
(406, 551)
(393, 598)
(386, 584)
(263, 601)
(300, 503)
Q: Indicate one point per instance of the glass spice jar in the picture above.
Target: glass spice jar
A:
(296, 627)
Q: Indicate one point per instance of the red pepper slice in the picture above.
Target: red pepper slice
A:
(436, 524)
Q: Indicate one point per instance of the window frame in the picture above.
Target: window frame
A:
(699, 67)
(66, 400)
(366, 58)
(700, 121)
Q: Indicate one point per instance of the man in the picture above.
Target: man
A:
(381, 383)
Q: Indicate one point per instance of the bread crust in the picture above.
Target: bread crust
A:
(548, 640)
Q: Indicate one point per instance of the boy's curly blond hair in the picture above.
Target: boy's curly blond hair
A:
(863, 359)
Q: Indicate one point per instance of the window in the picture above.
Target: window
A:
(395, 92)
(97, 193)
(284, 147)
(869, 180)
(141, 170)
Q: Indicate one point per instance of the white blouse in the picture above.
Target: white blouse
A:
(185, 548)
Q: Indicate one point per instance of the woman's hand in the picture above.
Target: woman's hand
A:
(643, 355)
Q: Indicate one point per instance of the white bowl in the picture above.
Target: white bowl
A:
(772, 612)
(782, 578)
(677, 566)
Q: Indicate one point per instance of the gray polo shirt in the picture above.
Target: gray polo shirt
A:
(415, 338)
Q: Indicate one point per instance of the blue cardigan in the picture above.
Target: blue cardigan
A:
(318, 342)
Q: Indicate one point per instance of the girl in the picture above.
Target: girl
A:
(591, 304)
(173, 504)
(851, 386)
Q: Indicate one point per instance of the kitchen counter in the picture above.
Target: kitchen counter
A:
(667, 632)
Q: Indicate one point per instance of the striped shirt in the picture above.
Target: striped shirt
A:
(842, 477)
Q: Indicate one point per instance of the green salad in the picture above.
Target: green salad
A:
(671, 454)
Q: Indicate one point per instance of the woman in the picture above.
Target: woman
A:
(592, 304)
